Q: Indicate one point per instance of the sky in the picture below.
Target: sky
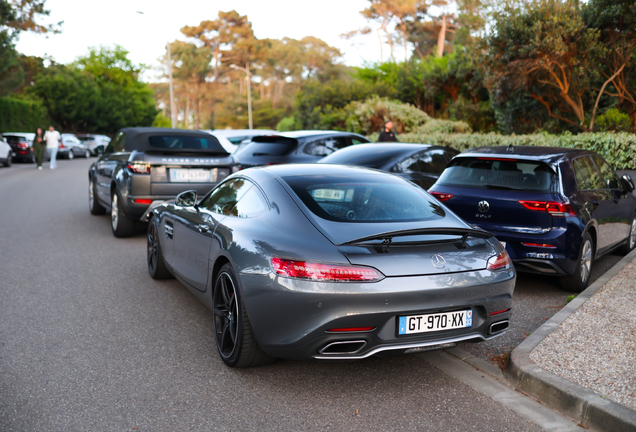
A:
(89, 23)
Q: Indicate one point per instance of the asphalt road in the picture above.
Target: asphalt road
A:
(88, 341)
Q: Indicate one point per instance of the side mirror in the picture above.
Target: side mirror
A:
(627, 182)
(187, 199)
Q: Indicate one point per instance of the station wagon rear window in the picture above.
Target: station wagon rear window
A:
(505, 174)
(178, 143)
(364, 199)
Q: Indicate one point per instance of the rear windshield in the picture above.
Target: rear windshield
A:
(279, 148)
(14, 139)
(363, 198)
(86, 138)
(506, 174)
(173, 142)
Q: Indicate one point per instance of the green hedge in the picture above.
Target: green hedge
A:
(21, 116)
(619, 149)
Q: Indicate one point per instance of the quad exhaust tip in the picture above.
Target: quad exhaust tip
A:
(499, 326)
(343, 347)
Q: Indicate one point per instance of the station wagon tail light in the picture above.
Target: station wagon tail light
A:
(541, 245)
(442, 196)
(324, 272)
(139, 168)
(552, 207)
(499, 262)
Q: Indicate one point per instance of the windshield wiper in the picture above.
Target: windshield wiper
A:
(497, 186)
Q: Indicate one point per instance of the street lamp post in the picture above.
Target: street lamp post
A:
(248, 79)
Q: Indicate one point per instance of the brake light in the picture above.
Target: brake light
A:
(498, 312)
(442, 196)
(62, 145)
(139, 168)
(499, 262)
(552, 207)
(143, 201)
(324, 272)
(23, 145)
(352, 329)
(541, 245)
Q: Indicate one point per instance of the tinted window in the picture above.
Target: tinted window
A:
(175, 142)
(364, 198)
(325, 146)
(118, 144)
(608, 176)
(487, 173)
(580, 180)
(224, 198)
(357, 141)
(590, 173)
(266, 149)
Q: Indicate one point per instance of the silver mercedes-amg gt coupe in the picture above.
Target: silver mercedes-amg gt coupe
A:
(331, 262)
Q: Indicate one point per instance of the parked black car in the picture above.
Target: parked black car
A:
(420, 163)
(294, 147)
(143, 167)
(556, 210)
(21, 146)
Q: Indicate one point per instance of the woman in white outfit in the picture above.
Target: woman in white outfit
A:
(52, 138)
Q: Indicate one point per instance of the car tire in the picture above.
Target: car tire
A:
(70, 155)
(87, 154)
(156, 264)
(235, 340)
(121, 225)
(93, 203)
(7, 162)
(581, 277)
(631, 239)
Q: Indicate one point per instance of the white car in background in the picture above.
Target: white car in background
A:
(5, 152)
(96, 143)
(231, 139)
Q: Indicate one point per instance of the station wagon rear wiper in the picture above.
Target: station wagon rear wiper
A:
(496, 186)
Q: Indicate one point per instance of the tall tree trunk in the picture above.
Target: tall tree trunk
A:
(186, 119)
(381, 50)
(198, 119)
(441, 37)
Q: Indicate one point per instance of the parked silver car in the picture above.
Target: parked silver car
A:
(72, 147)
(96, 143)
(331, 262)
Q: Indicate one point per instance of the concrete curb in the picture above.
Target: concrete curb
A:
(566, 397)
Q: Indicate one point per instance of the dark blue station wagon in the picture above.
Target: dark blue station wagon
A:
(555, 210)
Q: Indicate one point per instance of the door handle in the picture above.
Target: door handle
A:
(203, 228)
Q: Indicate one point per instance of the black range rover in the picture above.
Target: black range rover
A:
(143, 167)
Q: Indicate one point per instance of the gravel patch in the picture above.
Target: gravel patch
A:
(595, 347)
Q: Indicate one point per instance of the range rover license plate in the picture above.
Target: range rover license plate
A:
(181, 175)
(434, 322)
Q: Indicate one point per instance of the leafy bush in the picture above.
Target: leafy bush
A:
(21, 116)
(162, 121)
(286, 124)
(619, 149)
(614, 120)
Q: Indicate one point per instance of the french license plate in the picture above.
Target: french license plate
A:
(434, 322)
(189, 175)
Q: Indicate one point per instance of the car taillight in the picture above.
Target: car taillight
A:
(236, 168)
(498, 312)
(552, 207)
(23, 145)
(139, 168)
(499, 262)
(62, 145)
(143, 201)
(324, 272)
(442, 196)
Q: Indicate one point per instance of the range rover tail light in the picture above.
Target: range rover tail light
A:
(324, 272)
(139, 168)
(552, 207)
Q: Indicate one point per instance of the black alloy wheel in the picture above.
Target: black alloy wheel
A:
(156, 265)
(232, 329)
(583, 270)
(93, 204)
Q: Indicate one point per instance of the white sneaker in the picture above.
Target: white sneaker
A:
(39, 167)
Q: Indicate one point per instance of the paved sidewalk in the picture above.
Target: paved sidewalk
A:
(582, 362)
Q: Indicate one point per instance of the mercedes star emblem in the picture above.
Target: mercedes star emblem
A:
(438, 261)
(483, 206)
